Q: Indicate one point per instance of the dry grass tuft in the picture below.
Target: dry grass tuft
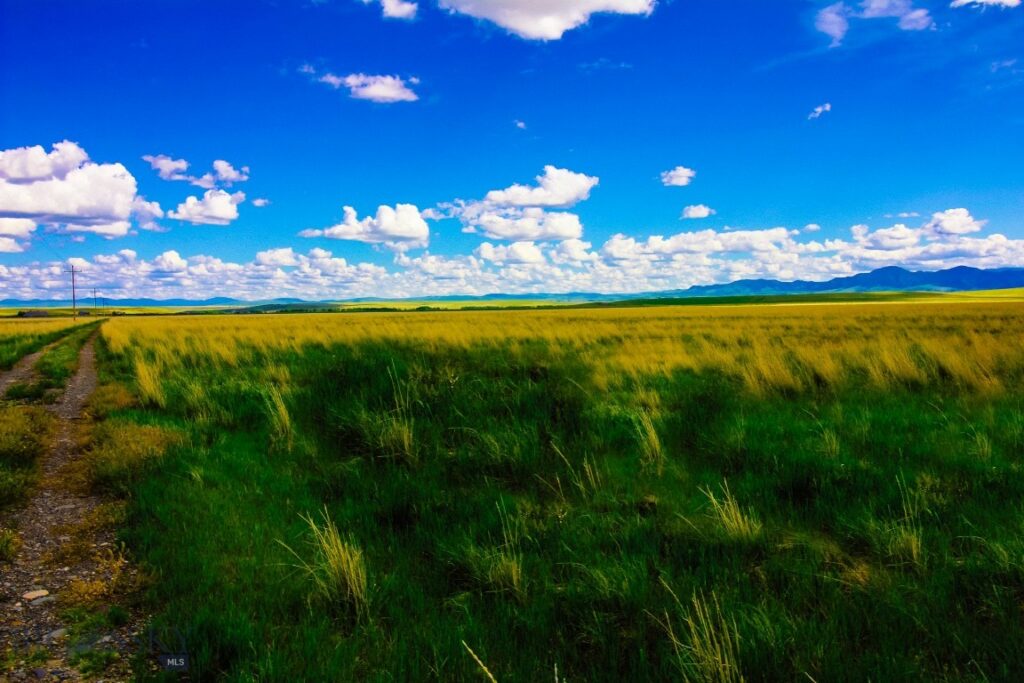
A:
(338, 568)
(707, 647)
(282, 431)
(735, 522)
(652, 455)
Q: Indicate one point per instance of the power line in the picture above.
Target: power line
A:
(74, 293)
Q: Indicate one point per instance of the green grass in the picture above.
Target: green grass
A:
(394, 514)
(14, 346)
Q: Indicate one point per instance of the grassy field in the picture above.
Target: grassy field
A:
(702, 493)
(19, 337)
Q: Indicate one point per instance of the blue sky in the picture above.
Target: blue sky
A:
(503, 145)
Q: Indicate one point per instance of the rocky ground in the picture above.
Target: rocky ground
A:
(64, 615)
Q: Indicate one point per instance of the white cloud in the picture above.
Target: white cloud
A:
(9, 246)
(953, 222)
(383, 89)
(556, 187)
(820, 111)
(544, 19)
(281, 257)
(32, 164)
(217, 207)
(834, 21)
(698, 211)
(986, 3)
(64, 190)
(680, 176)
(517, 252)
(166, 167)
(17, 227)
(228, 174)
(574, 252)
(897, 237)
(223, 172)
(146, 213)
(521, 125)
(531, 223)
(399, 228)
(260, 202)
(916, 20)
(396, 9)
(170, 261)
(812, 227)
(520, 213)
(910, 19)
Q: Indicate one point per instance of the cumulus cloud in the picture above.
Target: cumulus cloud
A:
(170, 262)
(217, 207)
(400, 228)
(32, 164)
(382, 89)
(819, 111)
(280, 257)
(680, 176)
(517, 252)
(531, 223)
(521, 213)
(63, 189)
(573, 251)
(556, 187)
(953, 222)
(697, 211)
(812, 227)
(146, 213)
(544, 19)
(260, 202)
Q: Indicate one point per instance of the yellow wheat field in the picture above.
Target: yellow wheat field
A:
(976, 346)
(18, 327)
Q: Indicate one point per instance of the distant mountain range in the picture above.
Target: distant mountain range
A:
(890, 279)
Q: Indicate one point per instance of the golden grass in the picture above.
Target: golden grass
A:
(31, 326)
(768, 349)
(120, 449)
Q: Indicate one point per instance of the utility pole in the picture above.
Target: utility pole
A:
(94, 297)
(74, 295)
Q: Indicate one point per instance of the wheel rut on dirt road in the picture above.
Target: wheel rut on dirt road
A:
(62, 560)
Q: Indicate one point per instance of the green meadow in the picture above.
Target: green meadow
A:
(709, 494)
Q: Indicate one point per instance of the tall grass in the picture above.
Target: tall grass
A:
(736, 523)
(706, 645)
(338, 568)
